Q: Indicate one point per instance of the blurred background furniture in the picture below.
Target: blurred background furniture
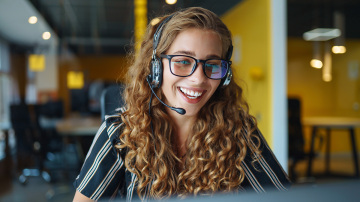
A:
(112, 99)
(60, 158)
(331, 123)
(297, 150)
(29, 151)
(78, 132)
(39, 148)
(78, 126)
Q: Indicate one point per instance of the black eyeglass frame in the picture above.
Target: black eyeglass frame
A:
(169, 57)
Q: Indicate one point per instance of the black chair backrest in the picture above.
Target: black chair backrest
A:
(111, 99)
(23, 126)
(20, 116)
(52, 109)
(296, 138)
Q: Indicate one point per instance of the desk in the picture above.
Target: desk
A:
(78, 128)
(329, 123)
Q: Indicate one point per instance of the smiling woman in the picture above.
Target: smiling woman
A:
(197, 137)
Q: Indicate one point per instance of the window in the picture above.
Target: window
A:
(5, 84)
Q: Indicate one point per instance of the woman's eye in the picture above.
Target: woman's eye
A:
(212, 67)
(183, 62)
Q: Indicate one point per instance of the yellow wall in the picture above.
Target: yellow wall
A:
(319, 98)
(249, 23)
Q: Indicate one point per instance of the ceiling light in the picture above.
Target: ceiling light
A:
(321, 34)
(171, 2)
(155, 21)
(338, 49)
(32, 20)
(316, 63)
(46, 35)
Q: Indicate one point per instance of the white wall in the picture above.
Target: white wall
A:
(279, 85)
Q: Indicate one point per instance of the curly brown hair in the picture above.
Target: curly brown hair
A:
(216, 146)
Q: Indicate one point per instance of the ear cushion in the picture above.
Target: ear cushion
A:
(156, 73)
(227, 79)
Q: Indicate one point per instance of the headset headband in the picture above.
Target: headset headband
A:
(158, 32)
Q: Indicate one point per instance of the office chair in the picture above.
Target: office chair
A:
(45, 116)
(297, 151)
(111, 99)
(59, 158)
(28, 143)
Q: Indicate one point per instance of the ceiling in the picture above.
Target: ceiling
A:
(106, 26)
(305, 15)
(15, 28)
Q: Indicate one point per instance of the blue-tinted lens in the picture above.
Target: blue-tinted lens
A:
(216, 69)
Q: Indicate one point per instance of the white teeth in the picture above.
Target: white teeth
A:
(190, 94)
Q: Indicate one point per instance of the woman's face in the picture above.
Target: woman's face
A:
(192, 92)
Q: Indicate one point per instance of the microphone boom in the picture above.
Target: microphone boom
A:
(178, 110)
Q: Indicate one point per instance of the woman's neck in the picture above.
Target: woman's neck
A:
(183, 127)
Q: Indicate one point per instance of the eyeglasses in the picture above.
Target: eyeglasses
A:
(183, 66)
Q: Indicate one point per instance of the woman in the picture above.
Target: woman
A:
(196, 137)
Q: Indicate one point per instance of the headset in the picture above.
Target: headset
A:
(156, 74)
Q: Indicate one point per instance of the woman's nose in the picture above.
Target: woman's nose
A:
(198, 76)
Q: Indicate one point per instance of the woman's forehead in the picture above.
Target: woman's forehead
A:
(194, 41)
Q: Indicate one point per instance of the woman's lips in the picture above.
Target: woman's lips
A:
(191, 95)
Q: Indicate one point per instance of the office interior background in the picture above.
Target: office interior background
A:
(58, 56)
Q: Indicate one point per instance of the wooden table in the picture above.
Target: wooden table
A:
(77, 129)
(78, 126)
(329, 123)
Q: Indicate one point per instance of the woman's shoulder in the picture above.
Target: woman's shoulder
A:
(114, 124)
(114, 118)
(261, 165)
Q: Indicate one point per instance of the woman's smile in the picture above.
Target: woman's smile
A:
(191, 95)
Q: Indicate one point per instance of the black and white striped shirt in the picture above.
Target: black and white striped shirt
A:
(104, 175)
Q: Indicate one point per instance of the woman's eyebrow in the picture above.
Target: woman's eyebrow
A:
(213, 56)
(190, 53)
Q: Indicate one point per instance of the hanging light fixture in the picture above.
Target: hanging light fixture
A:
(327, 69)
(316, 61)
(317, 36)
(339, 42)
(324, 36)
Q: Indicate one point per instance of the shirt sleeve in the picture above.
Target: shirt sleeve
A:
(263, 172)
(103, 173)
